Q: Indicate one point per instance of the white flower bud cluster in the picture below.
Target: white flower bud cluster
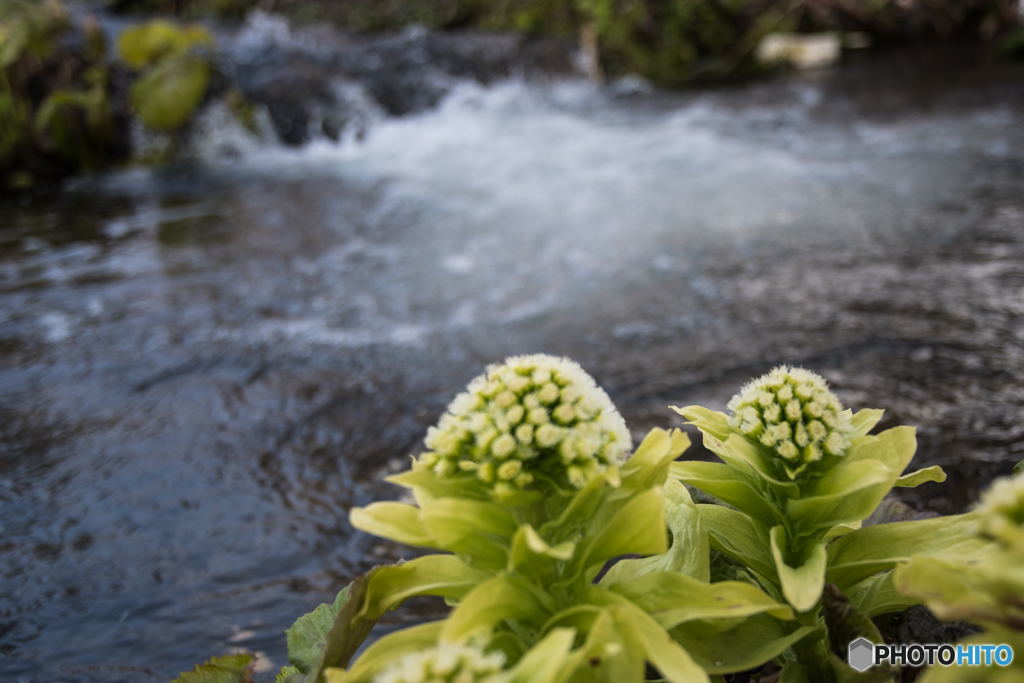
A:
(532, 417)
(793, 413)
(1002, 511)
(447, 663)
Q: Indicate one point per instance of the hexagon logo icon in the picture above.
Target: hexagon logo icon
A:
(861, 654)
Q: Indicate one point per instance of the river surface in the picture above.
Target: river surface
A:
(204, 367)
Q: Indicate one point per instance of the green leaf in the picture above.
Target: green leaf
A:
(386, 650)
(641, 633)
(530, 552)
(478, 530)
(849, 492)
(637, 528)
(950, 589)
(1019, 467)
(689, 551)
(225, 669)
(738, 536)
(728, 485)
(738, 452)
(709, 422)
(288, 674)
(365, 600)
(753, 642)
(894, 447)
(873, 549)
(878, 595)
(307, 637)
(673, 599)
(864, 421)
(442, 575)
(548, 661)
(395, 521)
(801, 584)
(922, 476)
(498, 599)
(648, 466)
(580, 511)
(166, 95)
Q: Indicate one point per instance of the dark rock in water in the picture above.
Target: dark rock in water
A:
(290, 91)
(321, 82)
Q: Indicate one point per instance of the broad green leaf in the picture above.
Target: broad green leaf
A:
(877, 595)
(739, 452)
(673, 599)
(395, 521)
(386, 650)
(166, 95)
(225, 669)
(707, 421)
(289, 674)
(366, 599)
(578, 515)
(548, 661)
(864, 421)
(443, 575)
(801, 584)
(530, 551)
(755, 641)
(605, 656)
(842, 529)
(848, 493)
(426, 485)
(350, 626)
(731, 447)
(735, 534)
(500, 598)
(922, 476)
(894, 447)
(728, 485)
(641, 633)
(479, 531)
(950, 589)
(307, 637)
(689, 550)
(873, 549)
(648, 466)
(637, 528)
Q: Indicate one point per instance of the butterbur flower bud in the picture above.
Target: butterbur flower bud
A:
(447, 663)
(792, 412)
(1001, 510)
(532, 418)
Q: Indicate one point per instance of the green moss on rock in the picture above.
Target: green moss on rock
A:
(166, 96)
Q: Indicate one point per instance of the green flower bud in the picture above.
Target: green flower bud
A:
(1002, 511)
(792, 413)
(531, 415)
(447, 663)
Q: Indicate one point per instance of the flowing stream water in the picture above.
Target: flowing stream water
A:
(204, 367)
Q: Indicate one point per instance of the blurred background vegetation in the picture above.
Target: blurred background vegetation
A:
(65, 98)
